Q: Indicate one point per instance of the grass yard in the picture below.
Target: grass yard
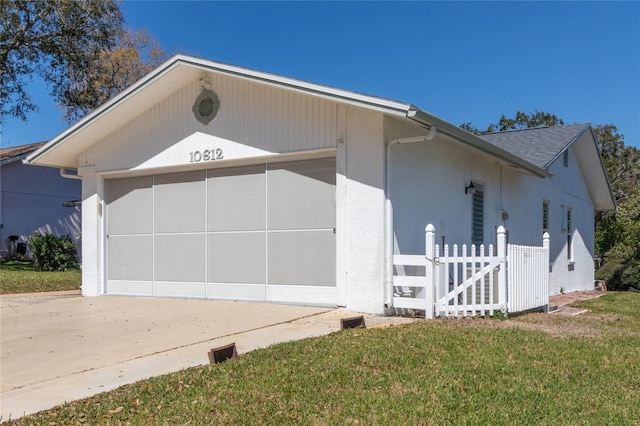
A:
(535, 369)
(19, 277)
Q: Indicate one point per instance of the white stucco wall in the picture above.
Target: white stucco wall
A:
(31, 199)
(565, 190)
(258, 124)
(365, 211)
(93, 236)
(427, 186)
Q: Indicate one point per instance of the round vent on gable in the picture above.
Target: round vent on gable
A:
(206, 106)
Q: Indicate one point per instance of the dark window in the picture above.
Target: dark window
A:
(545, 215)
(569, 237)
(477, 230)
(565, 158)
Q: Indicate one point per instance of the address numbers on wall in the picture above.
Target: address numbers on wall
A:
(206, 155)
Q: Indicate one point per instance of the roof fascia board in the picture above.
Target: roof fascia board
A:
(328, 92)
(352, 98)
(602, 168)
(103, 110)
(13, 159)
(476, 142)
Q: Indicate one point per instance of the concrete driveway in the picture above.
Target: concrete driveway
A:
(60, 347)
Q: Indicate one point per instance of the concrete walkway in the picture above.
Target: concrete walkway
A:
(59, 347)
(559, 303)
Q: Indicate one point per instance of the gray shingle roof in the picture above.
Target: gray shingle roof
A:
(540, 145)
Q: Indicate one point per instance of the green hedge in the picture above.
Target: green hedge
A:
(51, 253)
(620, 275)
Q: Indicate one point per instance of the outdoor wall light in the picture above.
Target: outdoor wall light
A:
(470, 190)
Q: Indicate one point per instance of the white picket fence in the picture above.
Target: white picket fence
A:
(472, 281)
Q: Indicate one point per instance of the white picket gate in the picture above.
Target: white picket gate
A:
(528, 276)
(462, 281)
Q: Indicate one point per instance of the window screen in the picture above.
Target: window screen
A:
(569, 236)
(477, 233)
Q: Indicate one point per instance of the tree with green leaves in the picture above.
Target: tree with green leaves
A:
(618, 240)
(54, 39)
(615, 229)
(621, 162)
(521, 120)
(80, 48)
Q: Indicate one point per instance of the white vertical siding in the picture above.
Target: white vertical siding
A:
(253, 120)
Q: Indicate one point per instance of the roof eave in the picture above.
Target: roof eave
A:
(103, 110)
(476, 142)
(10, 160)
(371, 102)
(613, 204)
(299, 85)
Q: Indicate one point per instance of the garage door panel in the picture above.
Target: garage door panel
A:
(264, 232)
(179, 200)
(301, 195)
(313, 295)
(180, 258)
(130, 258)
(237, 257)
(236, 199)
(130, 288)
(305, 258)
(179, 289)
(236, 291)
(130, 206)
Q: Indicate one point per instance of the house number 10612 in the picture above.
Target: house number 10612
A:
(206, 155)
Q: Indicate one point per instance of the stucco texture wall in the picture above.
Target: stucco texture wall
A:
(365, 211)
(427, 186)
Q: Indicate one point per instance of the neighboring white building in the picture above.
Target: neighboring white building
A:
(214, 181)
(33, 199)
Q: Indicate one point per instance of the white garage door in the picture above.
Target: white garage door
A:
(263, 232)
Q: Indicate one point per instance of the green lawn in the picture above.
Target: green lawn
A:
(535, 369)
(19, 277)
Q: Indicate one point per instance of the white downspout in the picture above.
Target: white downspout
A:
(64, 174)
(389, 208)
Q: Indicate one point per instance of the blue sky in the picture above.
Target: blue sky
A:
(462, 61)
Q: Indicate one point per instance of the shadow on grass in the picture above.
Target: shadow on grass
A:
(17, 265)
